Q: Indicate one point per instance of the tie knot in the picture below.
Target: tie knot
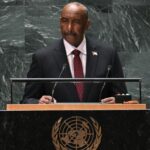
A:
(76, 52)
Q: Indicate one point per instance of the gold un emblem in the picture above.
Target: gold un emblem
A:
(76, 133)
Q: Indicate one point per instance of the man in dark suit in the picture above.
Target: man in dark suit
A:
(93, 61)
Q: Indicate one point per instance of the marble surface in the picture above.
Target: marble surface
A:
(30, 130)
(28, 25)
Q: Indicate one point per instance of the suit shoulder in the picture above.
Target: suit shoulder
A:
(101, 46)
(106, 47)
(48, 50)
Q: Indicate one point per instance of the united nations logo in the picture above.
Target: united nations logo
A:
(76, 133)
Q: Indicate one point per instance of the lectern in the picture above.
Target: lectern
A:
(75, 127)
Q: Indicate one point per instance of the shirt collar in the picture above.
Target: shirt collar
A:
(69, 48)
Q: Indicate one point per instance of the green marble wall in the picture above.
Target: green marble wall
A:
(27, 25)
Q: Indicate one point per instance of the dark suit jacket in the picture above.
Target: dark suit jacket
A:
(48, 62)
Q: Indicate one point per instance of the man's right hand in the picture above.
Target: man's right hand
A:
(46, 99)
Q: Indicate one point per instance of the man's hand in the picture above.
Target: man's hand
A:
(111, 100)
(108, 100)
(47, 100)
(131, 102)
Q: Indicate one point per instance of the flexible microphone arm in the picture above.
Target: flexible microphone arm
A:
(55, 84)
(104, 83)
(71, 80)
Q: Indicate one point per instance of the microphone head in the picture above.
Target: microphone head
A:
(64, 65)
(109, 67)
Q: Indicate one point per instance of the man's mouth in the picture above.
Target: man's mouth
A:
(70, 34)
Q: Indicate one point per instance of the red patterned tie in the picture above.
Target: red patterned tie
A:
(78, 73)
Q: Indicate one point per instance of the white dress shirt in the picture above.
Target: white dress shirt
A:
(83, 54)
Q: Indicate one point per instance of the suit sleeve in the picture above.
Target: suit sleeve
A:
(117, 72)
(33, 91)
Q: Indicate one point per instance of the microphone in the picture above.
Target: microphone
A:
(104, 83)
(55, 84)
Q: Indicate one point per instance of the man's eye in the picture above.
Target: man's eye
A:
(64, 20)
(77, 21)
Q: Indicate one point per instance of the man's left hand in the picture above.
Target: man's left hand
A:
(108, 100)
(111, 100)
(131, 102)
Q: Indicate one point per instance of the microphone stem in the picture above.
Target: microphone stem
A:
(104, 83)
(55, 84)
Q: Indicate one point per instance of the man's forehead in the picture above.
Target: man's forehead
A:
(72, 14)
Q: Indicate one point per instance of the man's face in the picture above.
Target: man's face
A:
(73, 23)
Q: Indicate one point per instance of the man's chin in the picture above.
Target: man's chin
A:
(71, 41)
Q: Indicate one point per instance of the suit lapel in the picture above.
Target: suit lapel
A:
(61, 59)
(91, 66)
(92, 57)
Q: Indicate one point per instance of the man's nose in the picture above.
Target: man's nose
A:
(70, 27)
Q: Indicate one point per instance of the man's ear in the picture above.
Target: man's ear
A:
(88, 24)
